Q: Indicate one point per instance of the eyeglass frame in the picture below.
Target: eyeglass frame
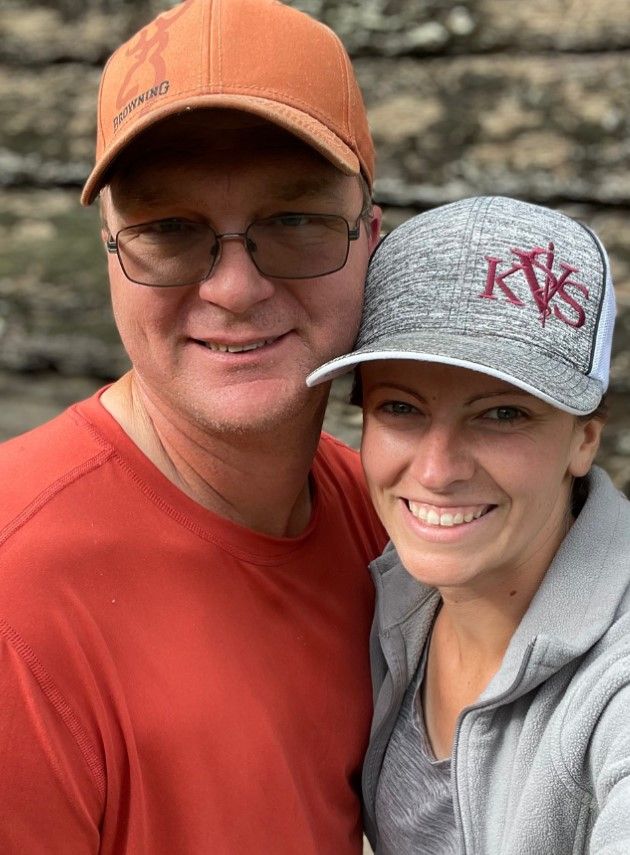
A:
(353, 233)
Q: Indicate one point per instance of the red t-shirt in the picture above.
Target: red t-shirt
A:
(170, 682)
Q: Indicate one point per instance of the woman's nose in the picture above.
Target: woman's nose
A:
(443, 457)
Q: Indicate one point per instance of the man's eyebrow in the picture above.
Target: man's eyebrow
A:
(148, 197)
(303, 188)
(288, 190)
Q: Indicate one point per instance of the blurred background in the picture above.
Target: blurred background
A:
(530, 99)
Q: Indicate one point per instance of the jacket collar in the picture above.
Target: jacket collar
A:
(580, 594)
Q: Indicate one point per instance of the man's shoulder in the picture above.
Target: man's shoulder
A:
(338, 464)
(337, 454)
(34, 466)
(341, 484)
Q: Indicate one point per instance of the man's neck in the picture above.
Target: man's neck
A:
(259, 481)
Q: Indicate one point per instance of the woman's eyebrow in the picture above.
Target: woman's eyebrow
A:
(512, 392)
(393, 387)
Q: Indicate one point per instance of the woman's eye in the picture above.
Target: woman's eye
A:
(504, 414)
(397, 408)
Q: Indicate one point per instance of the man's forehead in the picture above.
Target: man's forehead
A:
(286, 188)
(284, 173)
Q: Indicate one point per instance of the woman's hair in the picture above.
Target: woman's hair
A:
(579, 489)
(356, 393)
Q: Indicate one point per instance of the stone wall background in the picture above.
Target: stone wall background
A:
(478, 96)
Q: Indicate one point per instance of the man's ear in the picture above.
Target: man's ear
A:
(586, 444)
(103, 206)
(374, 227)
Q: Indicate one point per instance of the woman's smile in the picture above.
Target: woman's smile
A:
(470, 475)
(435, 515)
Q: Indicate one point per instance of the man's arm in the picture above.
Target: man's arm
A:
(49, 800)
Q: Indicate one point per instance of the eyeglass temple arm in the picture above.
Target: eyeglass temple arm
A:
(366, 214)
(110, 244)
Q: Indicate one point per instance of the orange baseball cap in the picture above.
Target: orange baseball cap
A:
(258, 56)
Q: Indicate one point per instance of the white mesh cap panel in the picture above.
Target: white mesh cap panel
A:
(600, 369)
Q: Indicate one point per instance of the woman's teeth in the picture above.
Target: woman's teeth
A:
(454, 516)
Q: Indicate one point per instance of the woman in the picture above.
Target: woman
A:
(501, 643)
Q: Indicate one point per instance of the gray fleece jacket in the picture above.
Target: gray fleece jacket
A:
(541, 762)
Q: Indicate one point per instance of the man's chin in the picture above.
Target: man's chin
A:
(255, 408)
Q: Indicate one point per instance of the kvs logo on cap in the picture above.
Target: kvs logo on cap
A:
(554, 285)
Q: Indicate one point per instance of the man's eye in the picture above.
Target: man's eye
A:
(170, 227)
(293, 220)
(167, 235)
(311, 224)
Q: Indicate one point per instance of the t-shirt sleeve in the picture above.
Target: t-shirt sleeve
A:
(49, 802)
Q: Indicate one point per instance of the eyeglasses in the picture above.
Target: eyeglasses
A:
(173, 252)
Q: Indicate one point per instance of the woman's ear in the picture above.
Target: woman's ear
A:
(585, 445)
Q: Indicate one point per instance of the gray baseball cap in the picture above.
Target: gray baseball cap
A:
(496, 285)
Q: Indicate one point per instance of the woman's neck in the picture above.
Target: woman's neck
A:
(470, 636)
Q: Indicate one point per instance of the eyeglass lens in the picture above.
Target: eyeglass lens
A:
(179, 252)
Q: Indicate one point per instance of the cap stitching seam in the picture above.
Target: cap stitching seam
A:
(487, 200)
(345, 88)
(219, 41)
(471, 222)
(206, 46)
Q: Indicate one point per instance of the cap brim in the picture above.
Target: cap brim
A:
(548, 379)
(307, 128)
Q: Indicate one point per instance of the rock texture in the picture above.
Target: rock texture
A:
(477, 96)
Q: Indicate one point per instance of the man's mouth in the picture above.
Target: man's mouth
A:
(237, 348)
(434, 515)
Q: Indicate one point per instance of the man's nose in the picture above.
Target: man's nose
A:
(235, 283)
(443, 457)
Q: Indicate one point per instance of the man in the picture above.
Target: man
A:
(184, 603)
